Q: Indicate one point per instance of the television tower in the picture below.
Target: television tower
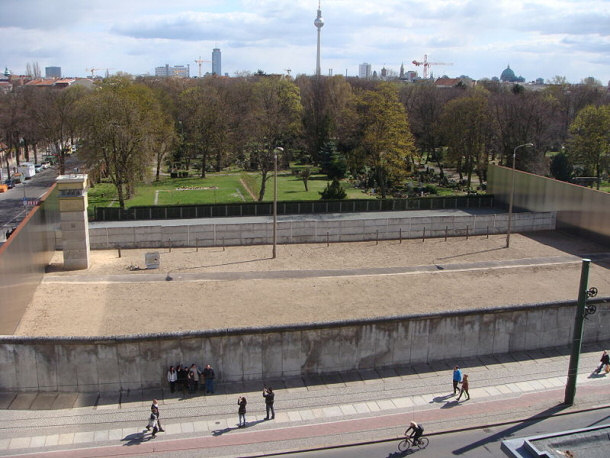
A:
(319, 23)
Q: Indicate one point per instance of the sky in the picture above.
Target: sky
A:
(479, 38)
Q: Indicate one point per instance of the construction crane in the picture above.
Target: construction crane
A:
(427, 64)
(95, 69)
(199, 62)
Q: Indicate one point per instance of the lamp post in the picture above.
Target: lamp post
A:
(512, 193)
(277, 150)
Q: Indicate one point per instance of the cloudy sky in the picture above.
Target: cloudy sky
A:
(538, 38)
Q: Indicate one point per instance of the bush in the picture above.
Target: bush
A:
(333, 191)
(561, 168)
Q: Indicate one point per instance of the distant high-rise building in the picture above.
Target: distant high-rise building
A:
(52, 72)
(319, 23)
(216, 58)
(364, 71)
(177, 70)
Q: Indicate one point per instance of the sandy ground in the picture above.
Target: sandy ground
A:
(111, 299)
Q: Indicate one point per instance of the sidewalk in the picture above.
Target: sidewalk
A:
(311, 412)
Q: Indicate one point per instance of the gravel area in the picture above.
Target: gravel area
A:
(112, 299)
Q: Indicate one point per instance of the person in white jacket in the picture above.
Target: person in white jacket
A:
(172, 376)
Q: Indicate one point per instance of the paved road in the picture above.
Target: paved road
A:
(311, 412)
(12, 210)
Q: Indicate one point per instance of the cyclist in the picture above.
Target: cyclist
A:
(418, 430)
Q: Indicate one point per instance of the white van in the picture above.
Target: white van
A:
(27, 169)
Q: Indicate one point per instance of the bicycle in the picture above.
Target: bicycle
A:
(407, 442)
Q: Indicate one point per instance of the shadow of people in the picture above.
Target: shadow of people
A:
(441, 398)
(596, 375)
(450, 404)
(135, 438)
(249, 424)
(220, 432)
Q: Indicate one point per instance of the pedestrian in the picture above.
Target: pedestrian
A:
(464, 387)
(172, 377)
(154, 408)
(269, 396)
(182, 378)
(605, 361)
(241, 411)
(194, 378)
(153, 422)
(208, 374)
(457, 378)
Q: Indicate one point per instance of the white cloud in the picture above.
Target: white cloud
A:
(539, 38)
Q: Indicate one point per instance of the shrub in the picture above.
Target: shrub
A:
(333, 191)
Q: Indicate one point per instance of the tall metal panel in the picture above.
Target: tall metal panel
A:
(583, 210)
(23, 259)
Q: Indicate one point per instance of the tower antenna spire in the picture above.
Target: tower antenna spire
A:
(319, 23)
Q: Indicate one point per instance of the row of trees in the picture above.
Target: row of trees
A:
(377, 131)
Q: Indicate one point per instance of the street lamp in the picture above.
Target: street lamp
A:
(277, 150)
(512, 193)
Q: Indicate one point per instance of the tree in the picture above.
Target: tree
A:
(275, 121)
(333, 191)
(323, 99)
(54, 112)
(118, 126)
(333, 163)
(590, 141)
(305, 174)
(467, 127)
(561, 167)
(385, 141)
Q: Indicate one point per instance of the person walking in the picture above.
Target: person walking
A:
(269, 396)
(464, 387)
(153, 422)
(604, 361)
(154, 408)
(172, 377)
(208, 374)
(241, 411)
(457, 378)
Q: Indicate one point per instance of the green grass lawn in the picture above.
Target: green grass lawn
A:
(217, 188)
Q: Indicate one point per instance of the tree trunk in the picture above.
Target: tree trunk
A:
(261, 194)
(204, 163)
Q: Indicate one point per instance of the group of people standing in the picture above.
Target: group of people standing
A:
(191, 379)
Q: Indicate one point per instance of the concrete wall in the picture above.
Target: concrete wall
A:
(133, 362)
(584, 210)
(310, 229)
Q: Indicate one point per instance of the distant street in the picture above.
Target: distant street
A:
(12, 210)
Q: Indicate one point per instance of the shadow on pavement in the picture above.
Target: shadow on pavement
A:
(450, 404)
(438, 399)
(512, 430)
(249, 424)
(135, 438)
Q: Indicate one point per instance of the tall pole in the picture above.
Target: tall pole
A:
(512, 193)
(275, 152)
(319, 23)
(578, 332)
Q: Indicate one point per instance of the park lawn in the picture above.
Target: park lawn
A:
(216, 188)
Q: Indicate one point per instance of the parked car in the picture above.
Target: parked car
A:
(38, 168)
(10, 183)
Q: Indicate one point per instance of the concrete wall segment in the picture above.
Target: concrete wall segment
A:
(139, 362)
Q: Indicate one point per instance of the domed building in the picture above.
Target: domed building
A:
(508, 76)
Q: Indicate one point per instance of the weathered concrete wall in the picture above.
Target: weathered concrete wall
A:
(310, 228)
(133, 362)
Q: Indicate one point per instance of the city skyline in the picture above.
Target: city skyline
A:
(538, 39)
